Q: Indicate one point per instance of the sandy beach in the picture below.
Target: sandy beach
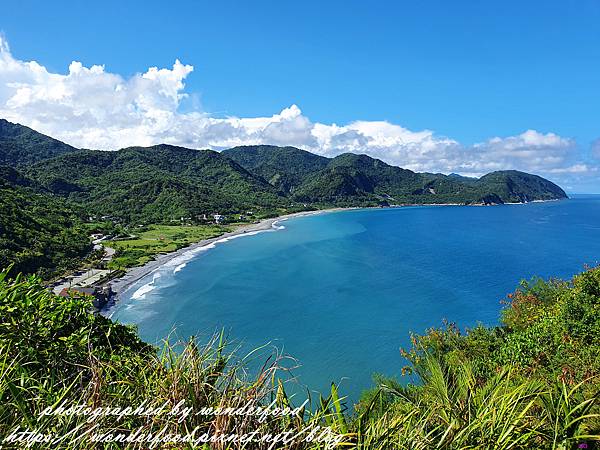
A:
(134, 274)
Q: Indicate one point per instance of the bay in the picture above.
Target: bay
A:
(341, 292)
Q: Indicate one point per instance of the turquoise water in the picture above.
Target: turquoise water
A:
(342, 291)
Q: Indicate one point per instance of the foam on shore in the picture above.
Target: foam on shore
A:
(180, 262)
(140, 293)
(177, 261)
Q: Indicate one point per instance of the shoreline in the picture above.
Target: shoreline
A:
(134, 274)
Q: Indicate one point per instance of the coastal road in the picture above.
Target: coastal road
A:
(87, 278)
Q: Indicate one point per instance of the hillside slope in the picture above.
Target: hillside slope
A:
(21, 146)
(517, 187)
(154, 184)
(163, 182)
(286, 168)
(352, 179)
(38, 231)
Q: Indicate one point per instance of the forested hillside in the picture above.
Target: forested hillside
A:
(38, 231)
(351, 179)
(286, 168)
(155, 184)
(20, 145)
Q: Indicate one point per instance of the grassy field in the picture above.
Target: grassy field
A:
(156, 239)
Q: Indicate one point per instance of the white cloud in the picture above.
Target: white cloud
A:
(596, 149)
(93, 108)
(575, 168)
(530, 150)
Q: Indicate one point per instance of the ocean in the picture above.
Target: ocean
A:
(341, 292)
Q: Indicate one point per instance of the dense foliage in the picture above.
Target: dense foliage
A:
(38, 232)
(165, 183)
(57, 335)
(154, 184)
(20, 145)
(286, 168)
(530, 383)
(544, 358)
(550, 330)
(351, 179)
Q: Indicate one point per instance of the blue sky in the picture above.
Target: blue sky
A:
(468, 71)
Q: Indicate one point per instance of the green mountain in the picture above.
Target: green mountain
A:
(154, 184)
(351, 179)
(517, 187)
(286, 168)
(164, 182)
(38, 231)
(21, 146)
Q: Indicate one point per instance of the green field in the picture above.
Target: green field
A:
(156, 239)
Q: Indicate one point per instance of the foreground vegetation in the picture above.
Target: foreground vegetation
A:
(530, 383)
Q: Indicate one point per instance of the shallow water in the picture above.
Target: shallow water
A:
(341, 292)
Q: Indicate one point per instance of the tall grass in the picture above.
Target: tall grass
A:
(106, 365)
(452, 410)
(198, 376)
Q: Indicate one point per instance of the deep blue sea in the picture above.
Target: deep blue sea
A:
(342, 291)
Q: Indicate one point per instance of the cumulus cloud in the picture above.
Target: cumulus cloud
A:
(91, 108)
(531, 150)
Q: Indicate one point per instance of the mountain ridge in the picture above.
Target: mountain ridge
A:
(164, 182)
(351, 177)
(154, 184)
(18, 142)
